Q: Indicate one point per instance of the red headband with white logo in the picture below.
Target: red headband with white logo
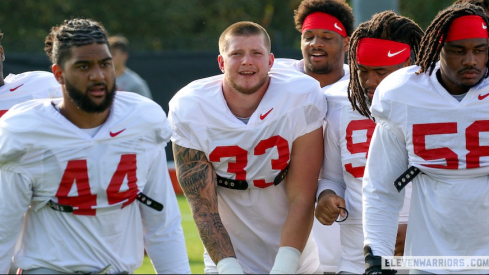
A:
(468, 26)
(321, 20)
(381, 52)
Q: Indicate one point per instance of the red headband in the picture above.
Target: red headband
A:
(381, 52)
(321, 20)
(468, 26)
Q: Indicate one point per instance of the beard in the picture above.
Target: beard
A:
(247, 90)
(83, 101)
(325, 69)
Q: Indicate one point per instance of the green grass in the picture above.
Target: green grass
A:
(195, 249)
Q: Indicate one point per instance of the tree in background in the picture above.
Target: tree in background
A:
(162, 25)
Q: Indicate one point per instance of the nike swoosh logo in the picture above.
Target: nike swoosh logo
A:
(336, 26)
(481, 97)
(262, 117)
(389, 54)
(116, 133)
(13, 89)
(484, 26)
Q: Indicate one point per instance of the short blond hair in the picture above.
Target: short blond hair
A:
(243, 28)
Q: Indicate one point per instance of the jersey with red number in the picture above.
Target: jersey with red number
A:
(346, 144)
(420, 124)
(26, 86)
(327, 237)
(256, 152)
(44, 157)
(347, 140)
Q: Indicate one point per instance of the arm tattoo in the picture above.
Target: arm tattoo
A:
(198, 181)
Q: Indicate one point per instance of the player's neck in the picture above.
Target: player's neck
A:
(240, 104)
(80, 118)
(329, 78)
(449, 85)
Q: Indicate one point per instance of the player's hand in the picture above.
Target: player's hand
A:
(327, 208)
(400, 240)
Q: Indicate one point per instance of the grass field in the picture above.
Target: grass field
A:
(195, 248)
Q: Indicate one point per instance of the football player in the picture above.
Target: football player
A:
(432, 129)
(325, 27)
(378, 47)
(248, 149)
(88, 169)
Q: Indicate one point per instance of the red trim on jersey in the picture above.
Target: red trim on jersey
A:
(381, 52)
(321, 20)
(468, 26)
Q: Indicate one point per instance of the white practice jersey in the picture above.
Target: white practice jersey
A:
(420, 124)
(256, 152)
(327, 237)
(26, 86)
(347, 140)
(44, 157)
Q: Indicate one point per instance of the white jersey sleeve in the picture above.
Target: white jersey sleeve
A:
(15, 195)
(383, 209)
(331, 176)
(163, 237)
(328, 237)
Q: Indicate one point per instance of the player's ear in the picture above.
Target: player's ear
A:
(58, 73)
(220, 61)
(346, 44)
(271, 61)
(408, 62)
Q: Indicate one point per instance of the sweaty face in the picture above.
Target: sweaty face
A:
(245, 63)
(322, 50)
(89, 78)
(463, 64)
(371, 76)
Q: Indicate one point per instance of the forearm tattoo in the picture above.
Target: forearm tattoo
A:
(198, 182)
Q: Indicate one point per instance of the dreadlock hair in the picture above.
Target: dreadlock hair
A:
(484, 4)
(437, 31)
(386, 25)
(74, 32)
(336, 8)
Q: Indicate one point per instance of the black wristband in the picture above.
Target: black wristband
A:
(373, 264)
